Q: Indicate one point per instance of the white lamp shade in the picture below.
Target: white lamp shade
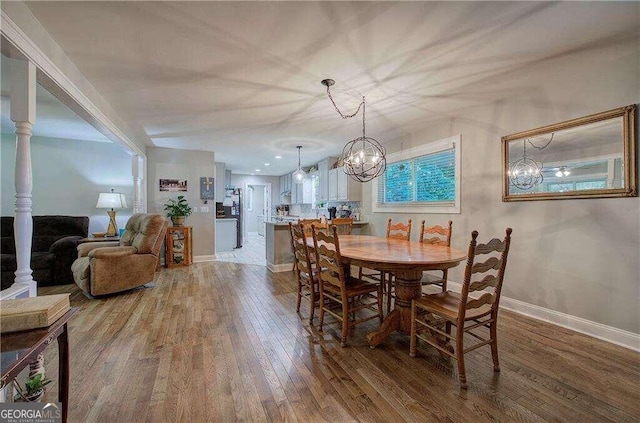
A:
(111, 200)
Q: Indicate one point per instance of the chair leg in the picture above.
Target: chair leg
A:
(299, 296)
(412, 345)
(380, 314)
(312, 305)
(493, 330)
(460, 355)
(321, 312)
(389, 284)
(445, 274)
(345, 323)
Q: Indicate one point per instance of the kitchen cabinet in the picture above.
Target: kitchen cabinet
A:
(323, 178)
(342, 187)
(285, 189)
(178, 246)
(332, 185)
(294, 194)
(302, 193)
(289, 181)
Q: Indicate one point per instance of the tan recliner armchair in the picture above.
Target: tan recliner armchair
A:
(108, 267)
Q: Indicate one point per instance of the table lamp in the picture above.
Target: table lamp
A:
(111, 200)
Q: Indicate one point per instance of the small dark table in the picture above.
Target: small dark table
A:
(19, 349)
(100, 239)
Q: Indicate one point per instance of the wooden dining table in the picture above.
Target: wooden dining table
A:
(406, 260)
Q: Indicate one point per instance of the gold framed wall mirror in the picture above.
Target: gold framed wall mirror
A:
(589, 157)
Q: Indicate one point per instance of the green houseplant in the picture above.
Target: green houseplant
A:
(34, 388)
(177, 210)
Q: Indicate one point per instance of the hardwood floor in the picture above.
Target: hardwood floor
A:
(221, 342)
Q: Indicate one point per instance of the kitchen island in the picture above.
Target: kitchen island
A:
(278, 244)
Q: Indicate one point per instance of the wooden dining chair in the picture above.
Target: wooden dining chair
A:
(337, 288)
(436, 313)
(307, 223)
(397, 231)
(308, 287)
(343, 224)
(436, 235)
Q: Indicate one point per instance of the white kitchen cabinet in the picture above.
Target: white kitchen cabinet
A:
(294, 194)
(307, 190)
(333, 184)
(323, 178)
(342, 187)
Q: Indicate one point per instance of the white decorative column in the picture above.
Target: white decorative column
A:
(23, 114)
(138, 177)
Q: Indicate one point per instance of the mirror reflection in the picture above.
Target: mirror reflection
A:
(584, 157)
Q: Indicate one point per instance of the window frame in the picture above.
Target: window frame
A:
(410, 154)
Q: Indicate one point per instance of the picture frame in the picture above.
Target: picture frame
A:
(173, 185)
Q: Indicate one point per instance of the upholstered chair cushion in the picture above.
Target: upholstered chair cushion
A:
(109, 267)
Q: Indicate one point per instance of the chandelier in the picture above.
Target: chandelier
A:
(525, 173)
(299, 174)
(363, 158)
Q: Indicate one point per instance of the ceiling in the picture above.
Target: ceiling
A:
(242, 79)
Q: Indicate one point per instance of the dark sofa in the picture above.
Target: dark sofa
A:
(53, 248)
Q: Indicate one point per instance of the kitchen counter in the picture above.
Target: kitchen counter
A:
(226, 229)
(278, 244)
(357, 224)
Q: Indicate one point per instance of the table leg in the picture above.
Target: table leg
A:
(408, 287)
(63, 372)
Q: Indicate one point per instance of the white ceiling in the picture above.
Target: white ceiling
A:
(242, 79)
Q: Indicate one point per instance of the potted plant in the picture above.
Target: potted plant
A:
(177, 210)
(34, 388)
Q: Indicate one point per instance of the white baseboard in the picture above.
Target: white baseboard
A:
(275, 268)
(616, 336)
(200, 259)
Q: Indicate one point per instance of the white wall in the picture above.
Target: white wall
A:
(68, 175)
(190, 165)
(578, 257)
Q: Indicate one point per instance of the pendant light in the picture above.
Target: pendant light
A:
(299, 175)
(363, 158)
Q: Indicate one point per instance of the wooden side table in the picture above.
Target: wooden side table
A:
(178, 246)
(19, 349)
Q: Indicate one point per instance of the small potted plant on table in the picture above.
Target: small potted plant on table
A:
(177, 210)
(34, 388)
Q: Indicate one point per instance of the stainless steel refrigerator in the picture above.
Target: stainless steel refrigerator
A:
(233, 196)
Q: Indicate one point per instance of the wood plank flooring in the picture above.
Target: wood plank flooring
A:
(221, 342)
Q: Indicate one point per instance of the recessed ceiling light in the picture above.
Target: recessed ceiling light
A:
(278, 157)
(257, 170)
(267, 164)
(252, 174)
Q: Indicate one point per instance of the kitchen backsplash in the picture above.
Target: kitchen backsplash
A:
(305, 210)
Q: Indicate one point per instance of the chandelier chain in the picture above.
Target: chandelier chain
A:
(363, 158)
(544, 146)
(342, 115)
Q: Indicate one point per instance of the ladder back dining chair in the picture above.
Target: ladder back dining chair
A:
(436, 235)
(350, 295)
(344, 225)
(308, 287)
(436, 313)
(397, 230)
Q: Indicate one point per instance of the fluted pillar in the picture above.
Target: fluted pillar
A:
(23, 111)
